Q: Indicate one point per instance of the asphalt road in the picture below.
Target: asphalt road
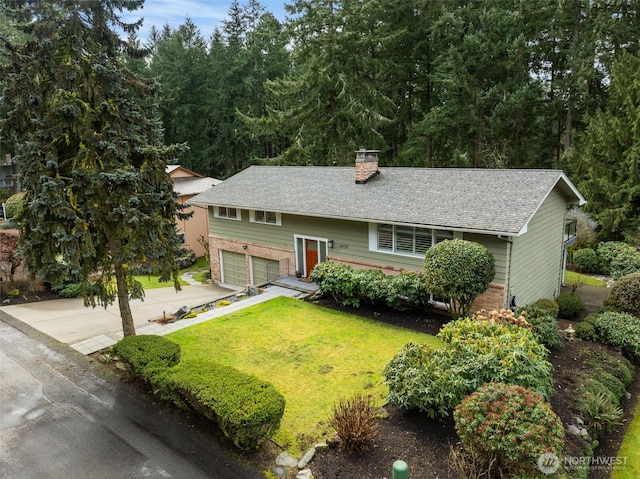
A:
(61, 419)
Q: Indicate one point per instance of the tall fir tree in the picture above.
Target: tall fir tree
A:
(606, 159)
(98, 200)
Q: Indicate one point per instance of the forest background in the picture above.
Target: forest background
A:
(430, 83)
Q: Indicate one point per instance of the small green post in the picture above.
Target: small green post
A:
(400, 470)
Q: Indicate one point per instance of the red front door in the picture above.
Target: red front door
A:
(310, 255)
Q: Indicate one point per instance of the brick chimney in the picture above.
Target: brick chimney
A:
(366, 165)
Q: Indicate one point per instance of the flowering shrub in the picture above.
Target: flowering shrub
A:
(544, 326)
(336, 279)
(508, 428)
(626, 262)
(614, 256)
(475, 352)
(621, 331)
(625, 295)
(504, 316)
(350, 286)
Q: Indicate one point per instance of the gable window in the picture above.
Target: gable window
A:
(406, 240)
(228, 213)
(266, 217)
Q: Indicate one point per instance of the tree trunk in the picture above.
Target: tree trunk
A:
(128, 327)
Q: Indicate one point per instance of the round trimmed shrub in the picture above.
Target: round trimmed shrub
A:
(13, 205)
(509, 426)
(569, 305)
(586, 260)
(625, 294)
(459, 271)
(590, 318)
(586, 331)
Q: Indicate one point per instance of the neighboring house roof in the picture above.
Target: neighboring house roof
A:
(499, 202)
(187, 182)
(179, 171)
(193, 186)
(171, 168)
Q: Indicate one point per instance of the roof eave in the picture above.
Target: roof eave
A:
(368, 220)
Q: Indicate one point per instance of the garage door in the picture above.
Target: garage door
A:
(264, 270)
(234, 269)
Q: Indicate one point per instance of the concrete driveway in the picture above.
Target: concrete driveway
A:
(70, 322)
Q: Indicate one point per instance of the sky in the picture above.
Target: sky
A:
(206, 14)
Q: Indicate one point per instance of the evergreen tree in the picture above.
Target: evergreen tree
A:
(328, 106)
(606, 159)
(486, 107)
(180, 63)
(92, 163)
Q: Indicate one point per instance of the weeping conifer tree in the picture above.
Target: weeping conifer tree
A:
(87, 142)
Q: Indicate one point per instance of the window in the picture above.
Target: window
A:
(407, 240)
(228, 213)
(266, 217)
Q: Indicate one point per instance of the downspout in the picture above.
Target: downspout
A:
(507, 286)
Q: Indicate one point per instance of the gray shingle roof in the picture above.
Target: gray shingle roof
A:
(480, 200)
(192, 185)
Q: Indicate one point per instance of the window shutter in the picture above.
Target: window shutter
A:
(385, 237)
(404, 239)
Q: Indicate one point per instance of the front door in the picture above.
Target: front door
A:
(311, 255)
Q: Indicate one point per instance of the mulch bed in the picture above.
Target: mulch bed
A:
(425, 444)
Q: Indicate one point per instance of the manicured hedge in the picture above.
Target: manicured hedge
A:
(144, 350)
(246, 408)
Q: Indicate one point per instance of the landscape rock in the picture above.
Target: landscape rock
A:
(573, 430)
(306, 459)
(579, 421)
(304, 474)
(181, 312)
(278, 471)
(322, 446)
(285, 460)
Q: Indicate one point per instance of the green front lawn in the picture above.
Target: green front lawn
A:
(577, 278)
(201, 266)
(314, 356)
(151, 282)
(629, 451)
